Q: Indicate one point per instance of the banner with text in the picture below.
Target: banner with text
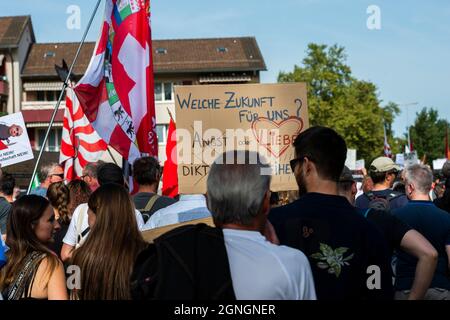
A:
(14, 142)
(217, 118)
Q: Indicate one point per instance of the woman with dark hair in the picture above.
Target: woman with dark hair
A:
(32, 270)
(79, 193)
(107, 256)
(59, 196)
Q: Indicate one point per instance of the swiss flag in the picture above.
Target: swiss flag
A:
(170, 171)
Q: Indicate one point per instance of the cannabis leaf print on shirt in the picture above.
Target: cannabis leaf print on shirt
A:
(332, 260)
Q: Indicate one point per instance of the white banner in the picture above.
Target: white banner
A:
(14, 142)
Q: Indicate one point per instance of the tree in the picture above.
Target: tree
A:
(338, 100)
(428, 134)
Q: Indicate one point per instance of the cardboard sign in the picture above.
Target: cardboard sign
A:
(14, 142)
(258, 117)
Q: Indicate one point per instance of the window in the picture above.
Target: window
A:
(161, 50)
(48, 96)
(163, 91)
(49, 54)
(222, 49)
(53, 142)
(161, 133)
(168, 91)
(158, 91)
(40, 95)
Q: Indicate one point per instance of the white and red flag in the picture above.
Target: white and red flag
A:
(117, 91)
(80, 143)
(387, 147)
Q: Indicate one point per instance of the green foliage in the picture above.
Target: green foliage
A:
(428, 134)
(338, 100)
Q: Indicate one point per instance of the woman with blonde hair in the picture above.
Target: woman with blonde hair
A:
(107, 256)
(32, 270)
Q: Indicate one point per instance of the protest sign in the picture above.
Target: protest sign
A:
(350, 161)
(410, 159)
(400, 159)
(439, 163)
(258, 117)
(360, 164)
(14, 142)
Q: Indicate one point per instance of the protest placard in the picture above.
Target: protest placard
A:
(14, 142)
(411, 158)
(439, 163)
(350, 161)
(360, 164)
(259, 117)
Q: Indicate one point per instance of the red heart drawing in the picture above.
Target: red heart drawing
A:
(276, 137)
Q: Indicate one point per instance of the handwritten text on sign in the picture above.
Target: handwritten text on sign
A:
(260, 117)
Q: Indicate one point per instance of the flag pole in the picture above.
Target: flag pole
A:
(61, 95)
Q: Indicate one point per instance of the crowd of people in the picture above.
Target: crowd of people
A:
(83, 240)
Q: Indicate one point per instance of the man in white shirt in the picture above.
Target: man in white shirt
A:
(238, 197)
(79, 227)
(189, 207)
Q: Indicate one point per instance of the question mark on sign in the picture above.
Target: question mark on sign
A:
(299, 104)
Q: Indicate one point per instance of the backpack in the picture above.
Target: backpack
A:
(186, 263)
(380, 202)
(145, 212)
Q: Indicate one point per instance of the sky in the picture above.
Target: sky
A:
(408, 58)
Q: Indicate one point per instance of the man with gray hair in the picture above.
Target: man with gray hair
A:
(89, 174)
(434, 224)
(49, 173)
(238, 197)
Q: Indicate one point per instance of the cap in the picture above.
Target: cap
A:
(383, 164)
(346, 175)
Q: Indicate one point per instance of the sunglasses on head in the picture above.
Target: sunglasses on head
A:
(61, 175)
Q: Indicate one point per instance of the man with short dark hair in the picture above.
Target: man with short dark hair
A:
(434, 224)
(383, 172)
(49, 173)
(147, 174)
(343, 248)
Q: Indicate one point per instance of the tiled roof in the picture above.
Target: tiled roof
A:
(11, 29)
(189, 55)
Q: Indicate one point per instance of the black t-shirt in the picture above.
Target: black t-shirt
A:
(340, 244)
(141, 199)
(392, 228)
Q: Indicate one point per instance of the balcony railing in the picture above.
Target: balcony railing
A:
(4, 88)
(37, 105)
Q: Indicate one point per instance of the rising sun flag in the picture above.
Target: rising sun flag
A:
(117, 91)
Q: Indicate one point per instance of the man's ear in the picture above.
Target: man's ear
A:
(266, 203)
